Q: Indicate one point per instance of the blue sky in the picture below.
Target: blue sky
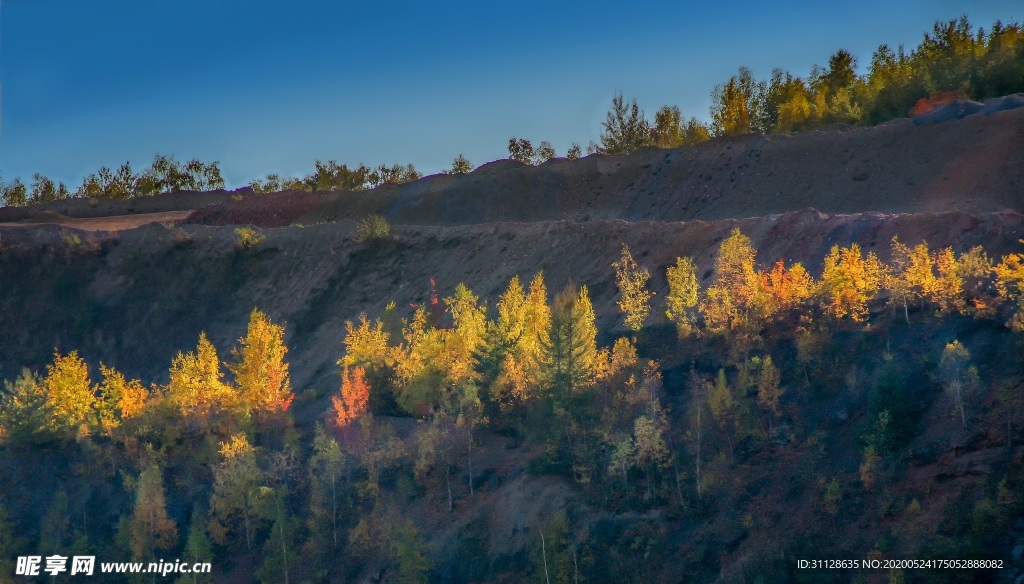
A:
(272, 86)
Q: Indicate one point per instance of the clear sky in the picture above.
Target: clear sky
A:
(271, 86)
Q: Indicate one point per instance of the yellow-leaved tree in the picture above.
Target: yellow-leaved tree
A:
(683, 290)
(119, 399)
(69, 397)
(850, 281)
(470, 322)
(195, 387)
(365, 344)
(634, 297)
(1010, 285)
(260, 371)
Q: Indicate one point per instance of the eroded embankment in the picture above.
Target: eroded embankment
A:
(134, 298)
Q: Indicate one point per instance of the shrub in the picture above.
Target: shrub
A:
(374, 227)
(248, 237)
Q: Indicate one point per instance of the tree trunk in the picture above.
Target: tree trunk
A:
(284, 548)
(544, 554)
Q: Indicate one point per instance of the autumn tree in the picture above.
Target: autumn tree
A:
(509, 354)
(682, 296)
(1010, 286)
(13, 194)
(959, 376)
(195, 387)
(850, 280)
(910, 277)
(238, 492)
(469, 320)
(947, 288)
(70, 401)
(366, 345)
(735, 304)
(151, 528)
(785, 289)
(634, 297)
(260, 371)
(419, 365)
(672, 130)
(736, 104)
(119, 399)
(354, 397)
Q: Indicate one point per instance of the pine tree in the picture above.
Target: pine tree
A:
(198, 549)
(8, 547)
(410, 554)
(460, 165)
(625, 129)
(54, 534)
(723, 406)
(24, 415)
(261, 374)
(570, 356)
(768, 390)
(151, 528)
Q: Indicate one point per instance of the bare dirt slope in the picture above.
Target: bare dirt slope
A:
(157, 262)
(974, 164)
(93, 295)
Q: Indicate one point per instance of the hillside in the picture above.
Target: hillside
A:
(132, 284)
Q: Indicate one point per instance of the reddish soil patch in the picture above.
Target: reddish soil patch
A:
(927, 104)
(113, 223)
(261, 210)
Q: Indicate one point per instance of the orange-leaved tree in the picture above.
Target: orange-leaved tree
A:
(850, 281)
(354, 397)
(786, 289)
(260, 371)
